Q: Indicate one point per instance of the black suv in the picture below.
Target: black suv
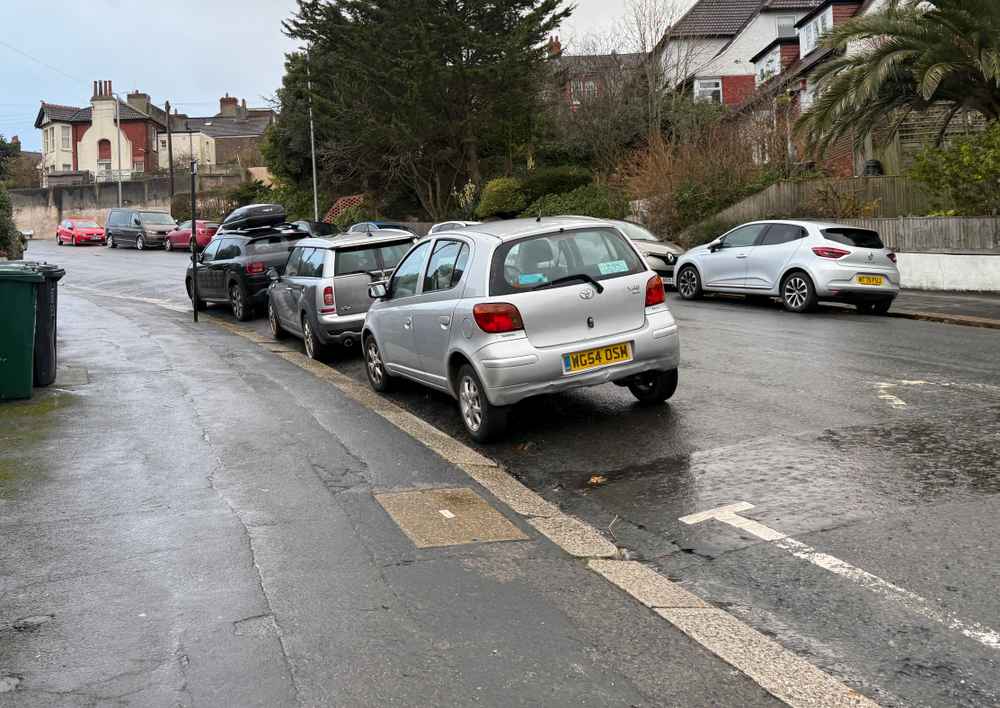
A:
(138, 228)
(233, 267)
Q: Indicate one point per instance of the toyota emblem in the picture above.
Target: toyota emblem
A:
(587, 294)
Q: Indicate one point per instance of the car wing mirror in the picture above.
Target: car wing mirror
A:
(377, 291)
(272, 275)
(715, 245)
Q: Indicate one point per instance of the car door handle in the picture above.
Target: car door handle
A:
(445, 322)
(407, 323)
(741, 256)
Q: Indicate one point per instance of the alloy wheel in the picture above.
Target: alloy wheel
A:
(140, 243)
(236, 300)
(796, 292)
(471, 403)
(307, 336)
(272, 319)
(687, 283)
(374, 361)
(168, 245)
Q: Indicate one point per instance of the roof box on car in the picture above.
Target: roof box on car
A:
(254, 216)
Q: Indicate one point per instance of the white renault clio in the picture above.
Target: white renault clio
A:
(495, 313)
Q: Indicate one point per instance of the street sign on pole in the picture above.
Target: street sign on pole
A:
(194, 236)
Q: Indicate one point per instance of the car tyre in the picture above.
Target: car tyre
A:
(168, 245)
(110, 242)
(378, 377)
(140, 243)
(242, 310)
(59, 241)
(199, 304)
(314, 348)
(879, 307)
(654, 386)
(277, 331)
(483, 420)
(798, 293)
(689, 283)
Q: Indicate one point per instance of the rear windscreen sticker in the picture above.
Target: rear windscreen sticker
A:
(612, 267)
(531, 278)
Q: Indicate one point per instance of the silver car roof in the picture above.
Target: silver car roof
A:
(519, 228)
(359, 239)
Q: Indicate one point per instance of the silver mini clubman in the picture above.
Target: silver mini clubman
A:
(495, 313)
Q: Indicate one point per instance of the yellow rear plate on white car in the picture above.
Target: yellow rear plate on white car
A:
(869, 279)
(576, 362)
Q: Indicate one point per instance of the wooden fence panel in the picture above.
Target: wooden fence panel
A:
(947, 234)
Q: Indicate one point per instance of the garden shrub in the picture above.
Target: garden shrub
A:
(595, 200)
(964, 177)
(503, 197)
(11, 242)
(554, 180)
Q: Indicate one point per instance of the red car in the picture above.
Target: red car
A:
(75, 231)
(180, 238)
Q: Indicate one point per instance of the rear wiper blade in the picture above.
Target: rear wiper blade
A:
(569, 279)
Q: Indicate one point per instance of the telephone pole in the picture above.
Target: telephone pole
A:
(312, 140)
(194, 231)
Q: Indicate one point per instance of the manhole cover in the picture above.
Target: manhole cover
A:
(447, 517)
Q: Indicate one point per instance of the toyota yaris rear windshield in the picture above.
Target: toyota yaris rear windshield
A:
(537, 261)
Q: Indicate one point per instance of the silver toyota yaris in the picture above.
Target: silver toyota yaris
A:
(495, 313)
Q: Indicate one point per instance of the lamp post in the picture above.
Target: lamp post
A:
(312, 140)
(194, 234)
(118, 129)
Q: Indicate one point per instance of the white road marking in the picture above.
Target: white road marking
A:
(910, 600)
(885, 395)
(446, 514)
(788, 678)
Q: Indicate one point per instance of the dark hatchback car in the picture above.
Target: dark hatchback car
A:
(233, 268)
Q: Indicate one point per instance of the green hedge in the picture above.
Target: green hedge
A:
(502, 197)
(554, 180)
(590, 200)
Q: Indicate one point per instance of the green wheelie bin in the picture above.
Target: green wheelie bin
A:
(17, 329)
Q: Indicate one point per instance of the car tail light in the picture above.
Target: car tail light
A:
(255, 268)
(654, 291)
(329, 305)
(830, 252)
(497, 317)
(891, 257)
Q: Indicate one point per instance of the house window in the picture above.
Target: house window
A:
(810, 34)
(708, 90)
(138, 165)
(104, 165)
(769, 66)
(786, 25)
(65, 137)
(163, 143)
(45, 140)
(807, 97)
(67, 168)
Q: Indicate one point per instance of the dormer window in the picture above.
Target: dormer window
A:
(769, 65)
(811, 33)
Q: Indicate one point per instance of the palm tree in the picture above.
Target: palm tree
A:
(912, 56)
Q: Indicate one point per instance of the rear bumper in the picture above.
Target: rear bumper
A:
(513, 370)
(338, 329)
(836, 282)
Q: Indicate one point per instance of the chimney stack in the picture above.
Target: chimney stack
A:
(228, 106)
(14, 140)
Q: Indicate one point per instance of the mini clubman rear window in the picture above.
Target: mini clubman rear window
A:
(542, 260)
(859, 238)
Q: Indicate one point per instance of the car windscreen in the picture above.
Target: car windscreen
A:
(156, 217)
(271, 244)
(636, 232)
(859, 238)
(599, 253)
(86, 225)
(365, 259)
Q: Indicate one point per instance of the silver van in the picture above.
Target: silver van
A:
(322, 296)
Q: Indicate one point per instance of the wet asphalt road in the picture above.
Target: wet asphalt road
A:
(873, 440)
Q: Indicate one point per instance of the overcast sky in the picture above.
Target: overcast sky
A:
(204, 49)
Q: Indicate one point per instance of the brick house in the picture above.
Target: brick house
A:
(230, 137)
(709, 49)
(582, 78)
(87, 139)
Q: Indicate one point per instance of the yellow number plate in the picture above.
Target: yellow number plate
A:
(596, 358)
(869, 279)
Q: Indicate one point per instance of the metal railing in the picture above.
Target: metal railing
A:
(112, 175)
